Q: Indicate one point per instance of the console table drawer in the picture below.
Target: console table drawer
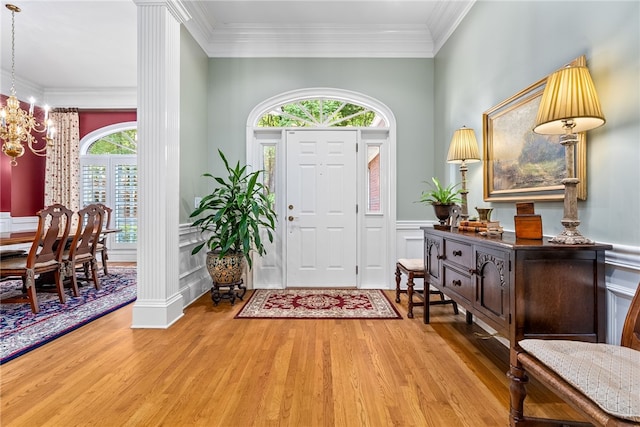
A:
(459, 253)
(455, 282)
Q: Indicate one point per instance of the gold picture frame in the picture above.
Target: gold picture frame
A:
(520, 164)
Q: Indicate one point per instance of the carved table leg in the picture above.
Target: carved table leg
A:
(398, 275)
(426, 303)
(410, 295)
(518, 393)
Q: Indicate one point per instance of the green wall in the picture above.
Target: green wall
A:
(498, 49)
(236, 86)
(193, 123)
(501, 48)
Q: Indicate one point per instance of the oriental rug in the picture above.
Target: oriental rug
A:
(22, 331)
(318, 304)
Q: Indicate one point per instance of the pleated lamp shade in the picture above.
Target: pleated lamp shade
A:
(464, 147)
(569, 95)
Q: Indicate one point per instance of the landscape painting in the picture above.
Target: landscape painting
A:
(520, 164)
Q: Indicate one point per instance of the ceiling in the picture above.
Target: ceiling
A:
(91, 45)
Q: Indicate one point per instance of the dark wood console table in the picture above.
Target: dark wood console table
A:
(520, 288)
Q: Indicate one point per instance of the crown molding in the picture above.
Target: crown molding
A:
(444, 28)
(336, 41)
(259, 41)
(107, 98)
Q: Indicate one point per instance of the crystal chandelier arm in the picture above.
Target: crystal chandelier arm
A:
(17, 125)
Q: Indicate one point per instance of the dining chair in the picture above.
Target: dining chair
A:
(101, 247)
(44, 256)
(599, 380)
(81, 252)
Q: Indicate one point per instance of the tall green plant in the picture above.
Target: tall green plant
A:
(234, 213)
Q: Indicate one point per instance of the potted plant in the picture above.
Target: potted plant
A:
(233, 215)
(442, 199)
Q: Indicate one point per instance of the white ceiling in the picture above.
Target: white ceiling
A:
(91, 45)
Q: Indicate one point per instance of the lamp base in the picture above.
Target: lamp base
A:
(571, 237)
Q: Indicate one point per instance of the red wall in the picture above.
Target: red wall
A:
(5, 184)
(91, 120)
(22, 186)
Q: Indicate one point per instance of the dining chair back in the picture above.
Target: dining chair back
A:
(101, 247)
(82, 249)
(45, 254)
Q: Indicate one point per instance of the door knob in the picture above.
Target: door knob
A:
(290, 218)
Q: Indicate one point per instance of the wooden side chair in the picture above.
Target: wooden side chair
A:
(45, 255)
(82, 250)
(601, 381)
(101, 248)
(414, 269)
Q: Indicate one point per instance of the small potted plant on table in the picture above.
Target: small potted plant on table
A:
(442, 199)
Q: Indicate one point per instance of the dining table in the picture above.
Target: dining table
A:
(27, 236)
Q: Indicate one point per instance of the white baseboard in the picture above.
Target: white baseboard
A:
(152, 314)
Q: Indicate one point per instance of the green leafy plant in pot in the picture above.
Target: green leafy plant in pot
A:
(442, 198)
(233, 216)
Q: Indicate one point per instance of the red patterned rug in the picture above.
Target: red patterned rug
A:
(318, 304)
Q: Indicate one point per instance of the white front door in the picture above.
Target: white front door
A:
(320, 211)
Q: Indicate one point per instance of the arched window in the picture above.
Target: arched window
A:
(109, 175)
(321, 113)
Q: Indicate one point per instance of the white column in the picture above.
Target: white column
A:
(159, 302)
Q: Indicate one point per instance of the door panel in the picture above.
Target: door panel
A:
(321, 208)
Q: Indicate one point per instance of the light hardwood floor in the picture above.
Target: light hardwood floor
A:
(210, 369)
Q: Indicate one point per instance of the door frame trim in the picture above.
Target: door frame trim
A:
(349, 96)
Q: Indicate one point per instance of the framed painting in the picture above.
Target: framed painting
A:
(520, 164)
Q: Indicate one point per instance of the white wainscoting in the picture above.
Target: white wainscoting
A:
(409, 244)
(5, 222)
(622, 272)
(193, 275)
(17, 223)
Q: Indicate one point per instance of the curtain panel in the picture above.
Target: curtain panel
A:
(62, 175)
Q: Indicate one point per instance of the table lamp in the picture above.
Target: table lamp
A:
(463, 149)
(569, 105)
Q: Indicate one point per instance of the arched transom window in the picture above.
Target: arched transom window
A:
(122, 142)
(321, 113)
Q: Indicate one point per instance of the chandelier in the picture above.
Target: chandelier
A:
(16, 124)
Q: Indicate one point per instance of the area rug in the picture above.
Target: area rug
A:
(22, 331)
(318, 304)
